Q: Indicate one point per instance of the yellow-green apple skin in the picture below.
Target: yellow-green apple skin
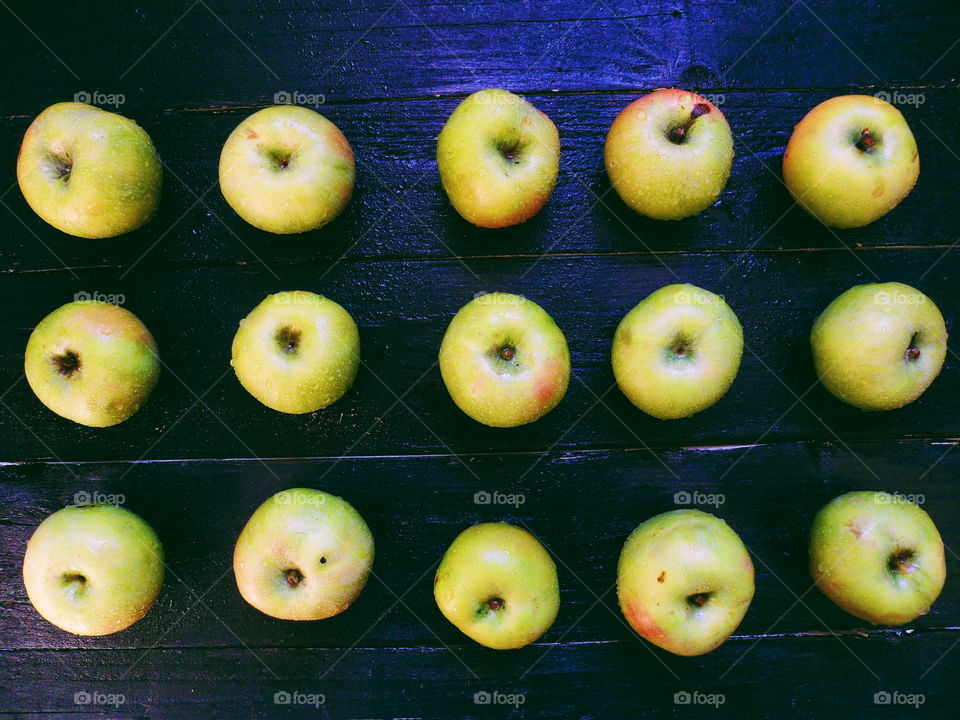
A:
(498, 585)
(89, 172)
(878, 556)
(844, 177)
(677, 352)
(287, 169)
(303, 555)
(668, 154)
(879, 346)
(92, 362)
(297, 352)
(498, 158)
(685, 581)
(93, 569)
(504, 360)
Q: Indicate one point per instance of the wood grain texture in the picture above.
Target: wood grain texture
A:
(776, 447)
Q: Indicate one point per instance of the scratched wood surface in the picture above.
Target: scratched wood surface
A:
(202, 454)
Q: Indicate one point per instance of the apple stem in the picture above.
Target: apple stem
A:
(679, 134)
(866, 140)
(913, 353)
(506, 353)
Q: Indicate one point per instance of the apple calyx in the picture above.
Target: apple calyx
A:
(901, 562)
(293, 577)
(288, 339)
(66, 363)
(493, 605)
(866, 140)
(680, 349)
(678, 134)
(506, 353)
(61, 166)
(510, 153)
(698, 600)
(280, 158)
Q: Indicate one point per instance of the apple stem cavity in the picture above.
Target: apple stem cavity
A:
(67, 363)
(293, 577)
(76, 582)
(866, 140)
(678, 134)
(698, 600)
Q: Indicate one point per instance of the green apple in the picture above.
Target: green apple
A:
(677, 352)
(498, 585)
(297, 352)
(498, 158)
(878, 556)
(504, 360)
(685, 581)
(89, 172)
(851, 160)
(879, 346)
(93, 569)
(92, 362)
(668, 154)
(303, 555)
(287, 169)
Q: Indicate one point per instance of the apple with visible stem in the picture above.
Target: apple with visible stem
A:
(92, 362)
(287, 169)
(498, 158)
(677, 352)
(498, 585)
(668, 154)
(878, 556)
(685, 581)
(93, 569)
(89, 172)
(851, 160)
(303, 555)
(296, 352)
(504, 360)
(879, 346)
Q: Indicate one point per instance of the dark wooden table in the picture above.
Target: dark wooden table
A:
(203, 454)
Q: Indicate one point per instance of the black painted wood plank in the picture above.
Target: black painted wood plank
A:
(400, 210)
(347, 51)
(403, 309)
(571, 681)
(581, 505)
